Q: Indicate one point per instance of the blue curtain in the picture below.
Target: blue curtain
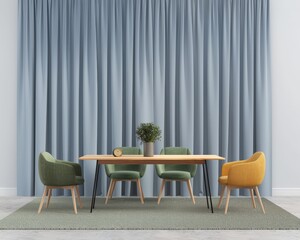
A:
(89, 72)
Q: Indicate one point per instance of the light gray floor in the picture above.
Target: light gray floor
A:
(10, 204)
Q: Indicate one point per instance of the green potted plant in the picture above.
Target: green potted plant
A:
(148, 133)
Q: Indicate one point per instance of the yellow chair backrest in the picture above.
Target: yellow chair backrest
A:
(248, 173)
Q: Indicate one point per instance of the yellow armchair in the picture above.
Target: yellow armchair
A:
(243, 174)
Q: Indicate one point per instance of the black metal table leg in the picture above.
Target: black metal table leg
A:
(206, 168)
(95, 186)
(205, 188)
(98, 165)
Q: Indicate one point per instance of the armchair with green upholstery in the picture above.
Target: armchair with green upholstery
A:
(59, 174)
(119, 172)
(176, 172)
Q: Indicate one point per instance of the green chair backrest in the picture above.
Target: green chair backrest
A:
(55, 172)
(109, 168)
(178, 167)
(44, 158)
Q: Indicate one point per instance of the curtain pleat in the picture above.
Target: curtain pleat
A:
(89, 72)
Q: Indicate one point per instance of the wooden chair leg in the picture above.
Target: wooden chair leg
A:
(78, 196)
(227, 199)
(259, 199)
(43, 198)
(114, 181)
(143, 195)
(161, 190)
(252, 197)
(49, 196)
(221, 196)
(138, 181)
(74, 199)
(108, 191)
(188, 182)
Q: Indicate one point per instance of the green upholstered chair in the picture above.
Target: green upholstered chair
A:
(176, 172)
(119, 172)
(59, 174)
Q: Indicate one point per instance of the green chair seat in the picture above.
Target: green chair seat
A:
(125, 175)
(176, 175)
(112, 168)
(79, 180)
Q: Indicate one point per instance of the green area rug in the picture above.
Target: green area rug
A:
(129, 213)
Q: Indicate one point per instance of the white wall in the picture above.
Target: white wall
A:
(285, 48)
(8, 95)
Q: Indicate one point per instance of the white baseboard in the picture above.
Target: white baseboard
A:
(8, 192)
(279, 192)
(286, 192)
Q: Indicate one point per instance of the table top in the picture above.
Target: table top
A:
(156, 159)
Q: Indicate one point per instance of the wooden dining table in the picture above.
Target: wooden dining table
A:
(156, 159)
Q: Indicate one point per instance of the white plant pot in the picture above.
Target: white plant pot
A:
(148, 149)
